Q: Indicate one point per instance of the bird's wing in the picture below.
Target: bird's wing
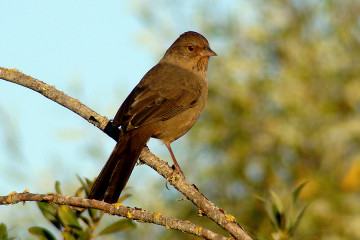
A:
(161, 95)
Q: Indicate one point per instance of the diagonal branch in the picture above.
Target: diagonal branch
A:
(136, 214)
(225, 221)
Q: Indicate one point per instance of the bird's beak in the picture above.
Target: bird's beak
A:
(207, 52)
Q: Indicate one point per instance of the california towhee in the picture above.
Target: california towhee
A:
(164, 105)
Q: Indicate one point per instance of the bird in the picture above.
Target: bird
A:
(165, 105)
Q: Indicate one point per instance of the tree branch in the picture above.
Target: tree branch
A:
(226, 221)
(114, 209)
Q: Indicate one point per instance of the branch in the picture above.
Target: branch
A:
(191, 192)
(114, 209)
(225, 221)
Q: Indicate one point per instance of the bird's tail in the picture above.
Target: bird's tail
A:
(116, 172)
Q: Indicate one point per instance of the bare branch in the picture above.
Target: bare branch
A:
(136, 214)
(226, 221)
(13, 75)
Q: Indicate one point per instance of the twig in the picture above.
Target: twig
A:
(136, 214)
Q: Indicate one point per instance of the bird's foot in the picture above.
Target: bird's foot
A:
(173, 175)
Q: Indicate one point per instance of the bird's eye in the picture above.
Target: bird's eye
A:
(190, 48)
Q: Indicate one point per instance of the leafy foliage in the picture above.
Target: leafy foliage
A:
(282, 216)
(283, 108)
(4, 232)
(75, 224)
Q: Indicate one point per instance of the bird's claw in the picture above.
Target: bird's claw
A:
(173, 175)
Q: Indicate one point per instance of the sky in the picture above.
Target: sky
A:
(92, 51)
(86, 49)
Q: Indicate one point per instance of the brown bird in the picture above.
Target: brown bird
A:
(164, 105)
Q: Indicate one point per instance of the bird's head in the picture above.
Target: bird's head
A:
(191, 51)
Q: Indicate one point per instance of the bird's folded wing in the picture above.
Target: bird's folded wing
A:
(159, 106)
(158, 99)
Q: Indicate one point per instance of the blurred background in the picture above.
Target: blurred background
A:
(283, 107)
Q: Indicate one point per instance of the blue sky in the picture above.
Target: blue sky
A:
(83, 48)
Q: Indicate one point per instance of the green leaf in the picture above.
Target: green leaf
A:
(85, 235)
(57, 187)
(269, 211)
(83, 184)
(277, 202)
(121, 225)
(271, 217)
(93, 214)
(123, 197)
(279, 217)
(292, 228)
(79, 192)
(261, 199)
(68, 236)
(89, 183)
(297, 191)
(68, 217)
(42, 233)
(3, 232)
(50, 213)
(85, 220)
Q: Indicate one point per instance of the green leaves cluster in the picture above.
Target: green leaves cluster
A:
(76, 224)
(282, 214)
